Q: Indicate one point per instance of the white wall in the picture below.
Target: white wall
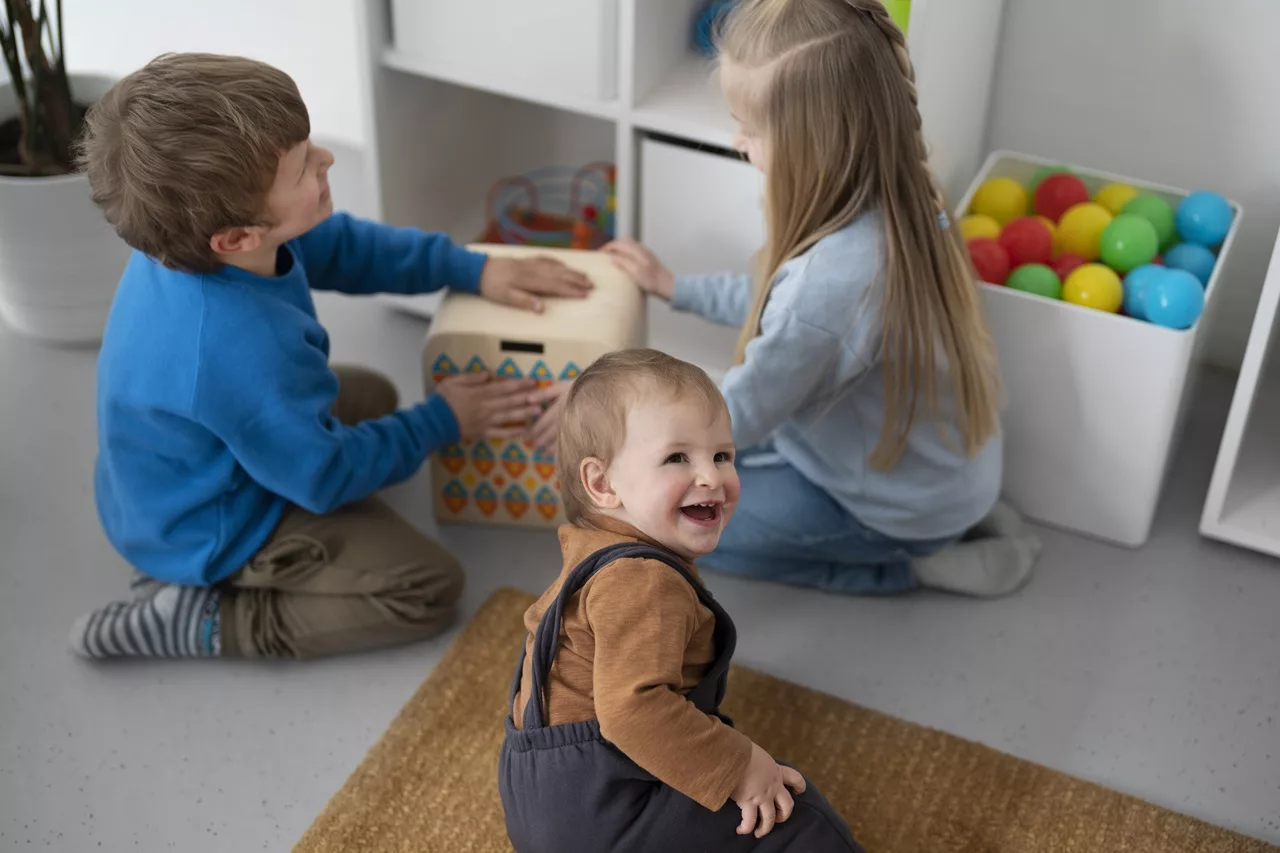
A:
(1181, 92)
(317, 42)
(314, 41)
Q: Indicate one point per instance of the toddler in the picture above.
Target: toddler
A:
(615, 740)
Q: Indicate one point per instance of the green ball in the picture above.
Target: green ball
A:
(1128, 242)
(1037, 279)
(1158, 212)
(1044, 172)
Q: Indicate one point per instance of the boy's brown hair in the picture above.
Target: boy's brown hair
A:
(186, 146)
(594, 420)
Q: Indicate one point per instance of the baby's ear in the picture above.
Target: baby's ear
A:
(595, 479)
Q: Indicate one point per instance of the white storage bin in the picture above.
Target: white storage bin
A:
(1095, 401)
(565, 51)
(699, 212)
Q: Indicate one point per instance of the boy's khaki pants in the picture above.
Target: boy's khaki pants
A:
(357, 578)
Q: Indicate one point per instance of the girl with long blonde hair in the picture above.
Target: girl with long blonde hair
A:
(865, 388)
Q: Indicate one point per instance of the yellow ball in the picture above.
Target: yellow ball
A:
(1081, 227)
(1003, 199)
(977, 225)
(1094, 286)
(1053, 231)
(1114, 197)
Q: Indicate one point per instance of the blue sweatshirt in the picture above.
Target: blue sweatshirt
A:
(812, 386)
(215, 397)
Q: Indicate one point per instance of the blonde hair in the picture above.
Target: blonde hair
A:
(831, 87)
(594, 420)
(186, 146)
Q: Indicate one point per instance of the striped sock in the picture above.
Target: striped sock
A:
(172, 622)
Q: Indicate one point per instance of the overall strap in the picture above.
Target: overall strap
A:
(547, 637)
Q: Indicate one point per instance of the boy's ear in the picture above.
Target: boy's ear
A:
(595, 479)
(236, 239)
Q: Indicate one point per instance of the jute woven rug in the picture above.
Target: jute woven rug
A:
(429, 785)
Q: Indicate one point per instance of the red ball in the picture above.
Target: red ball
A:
(1027, 241)
(1059, 193)
(989, 259)
(1065, 263)
(1158, 261)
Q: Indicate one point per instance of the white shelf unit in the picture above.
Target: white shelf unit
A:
(1243, 505)
(457, 103)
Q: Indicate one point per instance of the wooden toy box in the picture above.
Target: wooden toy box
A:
(508, 482)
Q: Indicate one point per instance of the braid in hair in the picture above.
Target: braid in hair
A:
(879, 15)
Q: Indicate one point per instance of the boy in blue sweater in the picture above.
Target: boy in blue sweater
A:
(237, 471)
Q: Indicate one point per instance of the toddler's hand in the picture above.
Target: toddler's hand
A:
(520, 282)
(642, 265)
(486, 407)
(546, 428)
(762, 794)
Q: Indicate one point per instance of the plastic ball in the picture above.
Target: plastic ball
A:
(989, 259)
(1065, 264)
(1135, 289)
(1204, 217)
(1080, 230)
(1175, 299)
(1128, 243)
(1044, 172)
(709, 24)
(1193, 258)
(1115, 196)
(977, 225)
(1003, 199)
(1036, 278)
(1156, 211)
(1027, 241)
(1094, 286)
(1059, 193)
(1053, 231)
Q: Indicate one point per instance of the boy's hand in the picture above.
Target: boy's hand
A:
(489, 408)
(642, 265)
(520, 281)
(762, 794)
(546, 428)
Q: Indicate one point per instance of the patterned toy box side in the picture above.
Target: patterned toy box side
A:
(508, 482)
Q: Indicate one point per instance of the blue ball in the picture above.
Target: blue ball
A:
(1136, 284)
(706, 28)
(1174, 300)
(1203, 217)
(1193, 258)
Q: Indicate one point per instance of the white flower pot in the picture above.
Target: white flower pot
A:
(60, 261)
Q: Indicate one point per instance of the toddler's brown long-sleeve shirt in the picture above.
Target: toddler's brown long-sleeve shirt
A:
(635, 640)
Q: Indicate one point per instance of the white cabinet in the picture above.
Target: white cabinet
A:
(1243, 505)
(953, 46)
(467, 92)
(559, 52)
(699, 212)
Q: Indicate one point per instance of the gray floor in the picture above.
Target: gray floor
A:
(1156, 672)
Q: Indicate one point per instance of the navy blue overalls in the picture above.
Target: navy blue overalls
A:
(565, 789)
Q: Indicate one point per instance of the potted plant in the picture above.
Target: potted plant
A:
(59, 259)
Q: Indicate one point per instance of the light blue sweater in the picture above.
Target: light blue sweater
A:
(215, 398)
(812, 383)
